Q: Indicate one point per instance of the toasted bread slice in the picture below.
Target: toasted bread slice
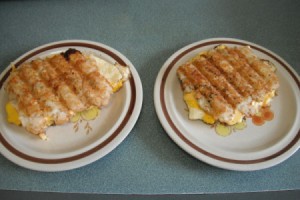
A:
(51, 91)
(229, 83)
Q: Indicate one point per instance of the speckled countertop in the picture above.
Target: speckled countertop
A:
(147, 33)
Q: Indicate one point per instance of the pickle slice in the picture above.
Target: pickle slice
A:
(90, 114)
(223, 130)
(75, 118)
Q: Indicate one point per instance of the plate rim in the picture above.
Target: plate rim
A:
(200, 152)
(101, 149)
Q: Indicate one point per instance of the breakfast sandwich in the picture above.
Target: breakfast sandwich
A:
(50, 91)
(227, 84)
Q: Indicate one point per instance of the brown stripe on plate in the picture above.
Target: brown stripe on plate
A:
(101, 145)
(190, 143)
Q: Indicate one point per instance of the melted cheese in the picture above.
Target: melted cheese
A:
(195, 111)
(12, 114)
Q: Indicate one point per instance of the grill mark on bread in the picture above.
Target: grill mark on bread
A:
(70, 75)
(94, 83)
(31, 79)
(50, 78)
(219, 81)
(22, 95)
(83, 79)
(57, 81)
(45, 95)
(232, 76)
(263, 67)
(203, 87)
(242, 66)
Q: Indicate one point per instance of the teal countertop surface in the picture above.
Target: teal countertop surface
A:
(148, 33)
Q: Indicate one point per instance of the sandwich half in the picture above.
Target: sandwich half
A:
(227, 84)
(50, 91)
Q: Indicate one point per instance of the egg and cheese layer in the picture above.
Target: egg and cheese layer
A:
(54, 90)
(227, 84)
(195, 111)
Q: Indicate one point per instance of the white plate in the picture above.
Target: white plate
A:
(255, 147)
(67, 148)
